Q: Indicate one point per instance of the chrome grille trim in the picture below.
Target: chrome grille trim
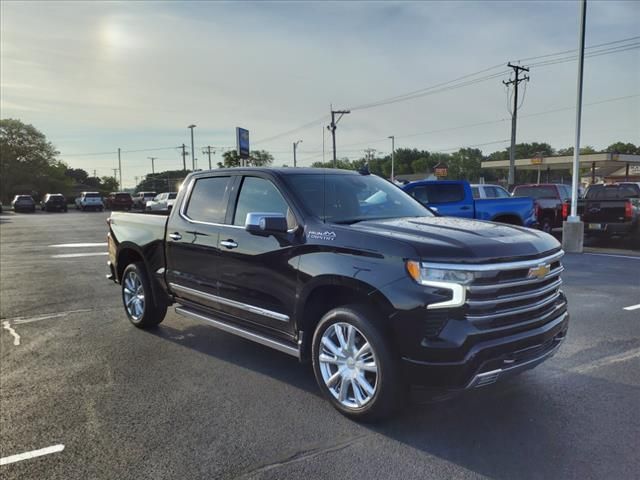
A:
(515, 311)
(517, 283)
(516, 296)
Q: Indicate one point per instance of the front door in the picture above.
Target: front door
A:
(258, 273)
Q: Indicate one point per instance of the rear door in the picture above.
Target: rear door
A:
(192, 240)
(258, 273)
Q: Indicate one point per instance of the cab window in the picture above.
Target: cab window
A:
(260, 195)
(207, 200)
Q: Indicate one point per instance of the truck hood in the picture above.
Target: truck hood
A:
(457, 240)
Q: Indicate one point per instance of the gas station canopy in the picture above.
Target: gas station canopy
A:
(622, 165)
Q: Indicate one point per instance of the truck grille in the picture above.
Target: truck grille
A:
(516, 293)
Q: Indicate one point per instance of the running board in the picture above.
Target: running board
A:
(239, 331)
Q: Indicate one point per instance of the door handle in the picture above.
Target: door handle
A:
(175, 236)
(229, 244)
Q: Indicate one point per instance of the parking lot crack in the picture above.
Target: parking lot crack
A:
(302, 456)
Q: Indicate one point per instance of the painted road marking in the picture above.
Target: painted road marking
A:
(78, 245)
(46, 316)
(632, 307)
(606, 361)
(612, 255)
(74, 255)
(16, 338)
(32, 454)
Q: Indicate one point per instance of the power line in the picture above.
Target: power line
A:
(622, 40)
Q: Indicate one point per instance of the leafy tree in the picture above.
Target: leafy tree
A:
(167, 181)
(583, 150)
(77, 174)
(621, 147)
(257, 158)
(465, 164)
(28, 162)
(109, 184)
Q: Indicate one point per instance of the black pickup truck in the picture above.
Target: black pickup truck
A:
(609, 210)
(346, 270)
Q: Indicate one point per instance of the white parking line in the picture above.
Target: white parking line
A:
(632, 307)
(46, 316)
(613, 255)
(78, 245)
(16, 337)
(606, 361)
(32, 454)
(73, 255)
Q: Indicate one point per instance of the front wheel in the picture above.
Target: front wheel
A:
(138, 299)
(354, 364)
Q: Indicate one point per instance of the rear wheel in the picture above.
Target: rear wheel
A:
(354, 365)
(546, 225)
(138, 299)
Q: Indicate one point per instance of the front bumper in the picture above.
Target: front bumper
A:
(492, 359)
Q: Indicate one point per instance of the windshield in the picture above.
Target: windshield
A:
(345, 198)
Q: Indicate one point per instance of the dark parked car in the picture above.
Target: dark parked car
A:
(349, 272)
(549, 198)
(23, 203)
(609, 210)
(140, 199)
(54, 202)
(119, 201)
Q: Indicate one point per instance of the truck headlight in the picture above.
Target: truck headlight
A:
(454, 280)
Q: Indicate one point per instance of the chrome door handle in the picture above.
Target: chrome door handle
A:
(175, 236)
(229, 244)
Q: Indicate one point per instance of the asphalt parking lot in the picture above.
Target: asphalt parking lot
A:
(189, 401)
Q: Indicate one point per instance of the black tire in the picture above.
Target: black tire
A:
(151, 314)
(546, 225)
(388, 389)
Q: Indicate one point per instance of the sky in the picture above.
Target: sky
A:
(95, 77)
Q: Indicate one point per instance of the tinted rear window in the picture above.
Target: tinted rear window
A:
(445, 193)
(172, 196)
(123, 196)
(611, 192)
(206, 203)
(536, 192)
(92, 195)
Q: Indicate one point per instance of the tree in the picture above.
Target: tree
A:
(583, 150)
(77, 174)
(465, 164)
(621, 147)
(257, 158)
(109, 184)
(167, 181)
(28, 162)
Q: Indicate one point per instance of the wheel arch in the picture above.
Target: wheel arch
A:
(129, 253)
(328, 292)
(510, 218)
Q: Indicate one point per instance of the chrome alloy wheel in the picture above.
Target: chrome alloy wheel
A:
(348, 365)
(133, 295)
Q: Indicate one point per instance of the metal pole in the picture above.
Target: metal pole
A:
(575, 174)
(323, 133)
(333, 135)
(294, 153)
(119, 170)
(193, 153)
(393, 154)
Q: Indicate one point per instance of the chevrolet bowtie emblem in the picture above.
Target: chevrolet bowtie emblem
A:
(540, 271)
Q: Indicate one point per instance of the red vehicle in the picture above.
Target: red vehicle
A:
(119, 201)
(549, 198)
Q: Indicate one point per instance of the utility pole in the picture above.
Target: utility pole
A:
(323, 133)
(332, 129)
(393, 154)
(193, 152)
(514, 118)
(369, 154)
(153, 169)
(95, 174)
(295, 146)
(184, 158)
(208, 151)
(114, 173)
(119, 170)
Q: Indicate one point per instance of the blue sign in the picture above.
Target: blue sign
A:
(242, 142)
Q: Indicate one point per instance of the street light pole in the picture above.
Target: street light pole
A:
(295, 146)
(193, 159)
(393, 154)
(153, 169)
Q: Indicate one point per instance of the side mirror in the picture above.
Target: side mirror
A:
(260, 223)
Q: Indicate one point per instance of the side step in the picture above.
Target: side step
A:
(239, 331)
